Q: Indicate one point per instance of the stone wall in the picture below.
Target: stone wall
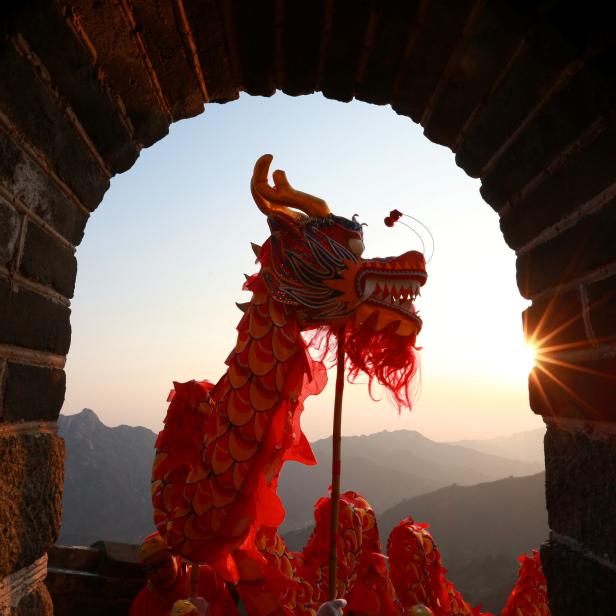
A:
(523, 93)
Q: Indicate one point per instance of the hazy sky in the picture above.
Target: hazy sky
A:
(163, 259)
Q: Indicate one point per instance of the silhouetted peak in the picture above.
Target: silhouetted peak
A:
(89, 415)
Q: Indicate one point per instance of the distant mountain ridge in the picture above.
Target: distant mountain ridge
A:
(387, 465)
(526, 446)
(480, 531)
(106, 480)
(107, 476)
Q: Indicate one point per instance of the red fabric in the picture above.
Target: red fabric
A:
(158, 602)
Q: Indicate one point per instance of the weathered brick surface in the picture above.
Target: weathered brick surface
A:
(349, 22)
(386, 55)
(601, 301)
(30, 497)
(588, 173)
(556, 323)
(487, 49)
(38, 603)
(557, 37)
(31, 392)
(576, 583)
(69, 64)
(577, 251)
(36, 112)
(580, 474)
(30, 320)
(581, 390)
(213, 50)
(438, 37)
(25, 180)
(256, 45)
(555, 128)
(156, 24)
(114, 579)
(10, 225)
(47, 261)
(118, 56)
(303, 29)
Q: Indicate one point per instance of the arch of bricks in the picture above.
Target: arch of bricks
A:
(523, 93)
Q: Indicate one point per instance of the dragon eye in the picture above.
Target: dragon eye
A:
(356, 246)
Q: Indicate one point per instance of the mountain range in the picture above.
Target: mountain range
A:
(484, 509)
(388, 466)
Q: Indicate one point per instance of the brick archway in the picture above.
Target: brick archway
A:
(523, 95)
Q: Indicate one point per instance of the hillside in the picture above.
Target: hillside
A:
(480, 530)
(411, 464)
(526, 446)
(106, 480)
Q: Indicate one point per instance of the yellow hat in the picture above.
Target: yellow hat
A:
(153, 544)
(183, 606)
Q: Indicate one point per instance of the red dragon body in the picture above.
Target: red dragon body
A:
(219, 456)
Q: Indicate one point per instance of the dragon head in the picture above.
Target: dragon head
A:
(313, 264)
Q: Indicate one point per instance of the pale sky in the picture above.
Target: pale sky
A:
(163, 259)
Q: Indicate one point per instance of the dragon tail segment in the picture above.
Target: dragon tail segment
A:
(529, 595)
(216, 504)
(417, 573)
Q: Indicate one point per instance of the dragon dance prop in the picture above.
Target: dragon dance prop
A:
(219, 456)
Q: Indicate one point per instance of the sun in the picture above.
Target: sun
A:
(523, 358)
(515, 362)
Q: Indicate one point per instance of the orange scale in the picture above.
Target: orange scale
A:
(197, 473)
(240, 448)
(238, 407)
(226, 479)
(260, 357)
(243, 338)
(221, 460)
(180, 511)
(171, 496)
(155, 487)
(277, 312)
(261, 541)
(281, 376)
(246, 432)
(268, 381)
(221, 390)
(188, 492)
(258, 324)
(202, 500)
(262, 399)
(197, 529)
(238, 375)
(175, 532)
(159, 516)
(240, 470)
(262, 309)
(259, 298)
(240, 526)
(283, 346)
(260, 425)
(221, 496)
(218, 517)
(352, 541)
(160, 457)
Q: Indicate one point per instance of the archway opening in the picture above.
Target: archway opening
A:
(162, 264)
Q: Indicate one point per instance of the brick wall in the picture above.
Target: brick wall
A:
(524, 94)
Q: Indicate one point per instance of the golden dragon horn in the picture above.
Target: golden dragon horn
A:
(282, 196)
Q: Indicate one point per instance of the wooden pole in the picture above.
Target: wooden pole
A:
(336, 467)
